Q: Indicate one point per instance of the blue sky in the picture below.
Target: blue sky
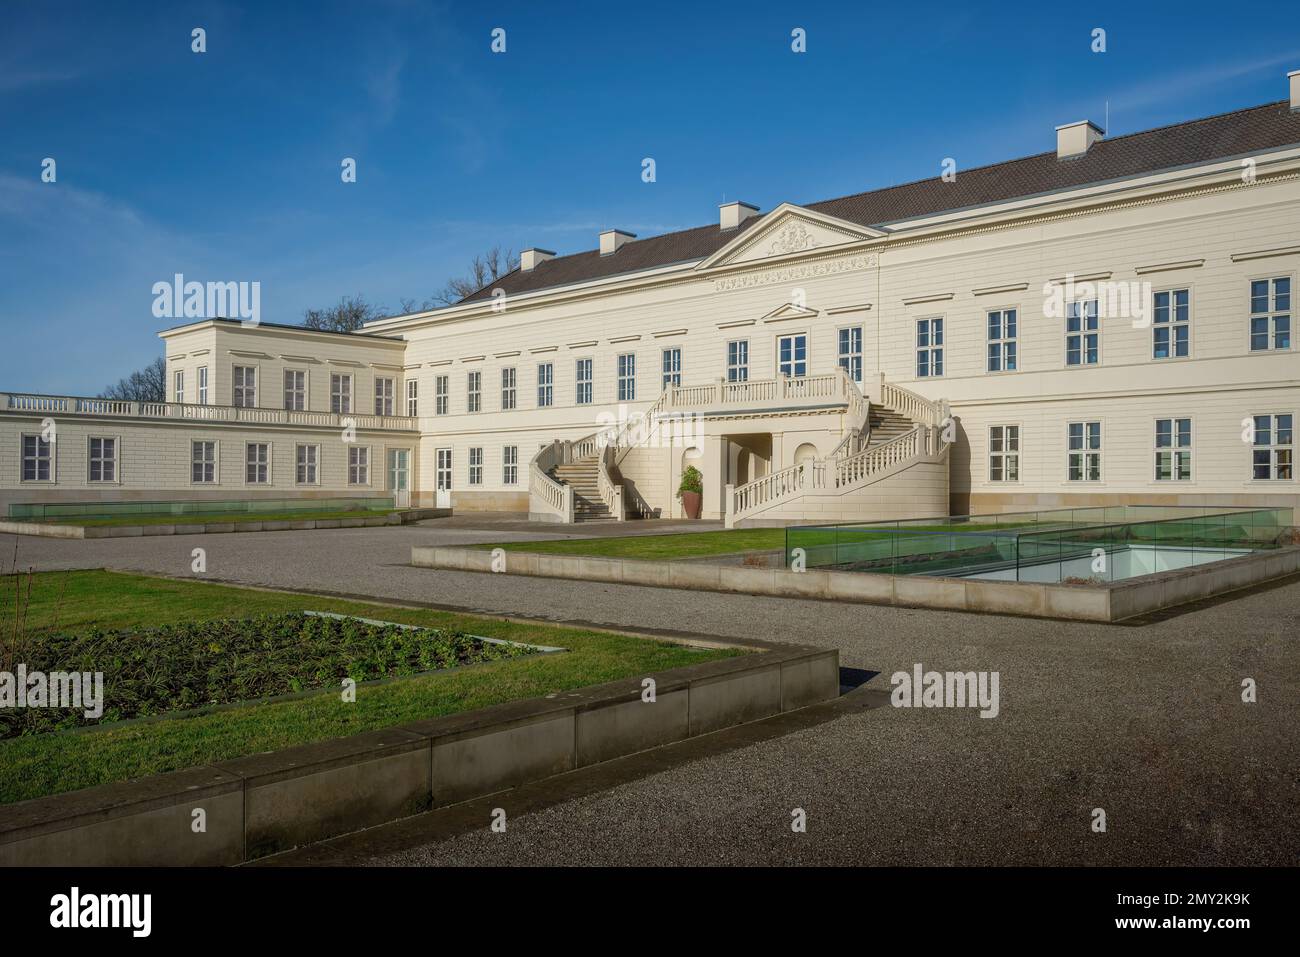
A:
(225, 165)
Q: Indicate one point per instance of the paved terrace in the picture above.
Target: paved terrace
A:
(1144, 720)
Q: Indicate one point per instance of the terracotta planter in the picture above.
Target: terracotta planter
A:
(691, 502)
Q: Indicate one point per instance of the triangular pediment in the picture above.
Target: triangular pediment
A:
(789, 230)
(789, 311)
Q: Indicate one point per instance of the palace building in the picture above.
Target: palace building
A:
(1107, 322)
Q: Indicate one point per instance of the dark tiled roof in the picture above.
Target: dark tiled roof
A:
(1251, 130)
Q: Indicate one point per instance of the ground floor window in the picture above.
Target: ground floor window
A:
(510, 465)
(257, 463)
(103, 460)
(308, 458)
(1273, 447)
(1004, 453)
(358, 465)
(1173, 450)
(476, 466)
(38, 459)
(1084, 439)
(203, 462)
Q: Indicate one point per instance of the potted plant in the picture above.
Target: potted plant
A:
(691, 491)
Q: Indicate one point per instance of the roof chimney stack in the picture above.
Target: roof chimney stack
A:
(530, 258)
(611, 239)
(1073, 139)
(731, 215)
(1294, 77)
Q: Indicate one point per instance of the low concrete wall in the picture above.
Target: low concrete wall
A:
(261, 804)
(45, 530)
(1106, 603)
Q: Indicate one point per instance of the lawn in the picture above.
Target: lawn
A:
(80, 602)
(658, 547)
(218, 518)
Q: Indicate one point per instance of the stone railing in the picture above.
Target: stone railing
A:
(858, 424)
(548, 500)
(53, 406)
(783, 392)
(915, 407)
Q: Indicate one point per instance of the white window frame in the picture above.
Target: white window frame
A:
(738, 360)
(341, 393)
(671, 363)
(413, 397)
(584, 389)
(311, 467)
(1002, 345)
(932, 349)
(203, 462)
(1272, 313)
(545, 385)
(509, 389)
(1281, 455)
(385, 394)
(178, 386)
(295, 398)
(441, 394)
(1084, 451)
(510, 465)
(474, 466)
(1089, 327)
(625, 369)
(115, 460)
(50, 458)
(358, 465)
(1004, 453)
(242, 395)
(849, 357)
(474, 391)
(1175, 449)
(248, 446)
(1172, 324)
(794, 363)
(203, 385)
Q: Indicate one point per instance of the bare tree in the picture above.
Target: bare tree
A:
(144, 385)
(485, 268)
(349, 315)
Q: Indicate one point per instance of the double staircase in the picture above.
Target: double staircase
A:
(583, 476)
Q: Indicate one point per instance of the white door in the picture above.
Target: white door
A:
(442, 478)
(399, 476)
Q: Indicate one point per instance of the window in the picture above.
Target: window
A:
(1082, 333)
(738, 360)
(474, 391)
(476, 466)
(358, 465)
(510, 465)
(1084, 451)
(545, 380)
(1274, 446)
(441, 389)
(583, 396)
(627, 377)
(1171, 324)
(851, 352)
(203, 385)
(929, 347)
(1270, 314)
(38, 458)
(508, 391)
(103, 460)
(257, 463)
(340, 393)
(245, 396)
(1004, 453)
(203, 463)
(178, 385)
(412, 397)
(672, 367)
(1173, 450)
(792, 355)
(1002, 340)
(308, 457)
(295, 389)
(385, 387)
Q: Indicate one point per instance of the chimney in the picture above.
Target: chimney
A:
(611, 239)
(1073, 139)
(1294, 77)
(731, 215)
(529, 258)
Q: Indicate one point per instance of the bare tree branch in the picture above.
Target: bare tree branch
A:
(144, 385)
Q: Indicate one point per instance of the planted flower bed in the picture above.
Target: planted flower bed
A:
(182, 666)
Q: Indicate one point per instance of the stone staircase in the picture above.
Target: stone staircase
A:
(887, 425)
(581, 474)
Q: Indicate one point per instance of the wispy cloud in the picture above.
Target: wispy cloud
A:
(1176, 86)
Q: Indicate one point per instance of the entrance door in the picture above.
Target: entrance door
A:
(399, 476)
(442, 478)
